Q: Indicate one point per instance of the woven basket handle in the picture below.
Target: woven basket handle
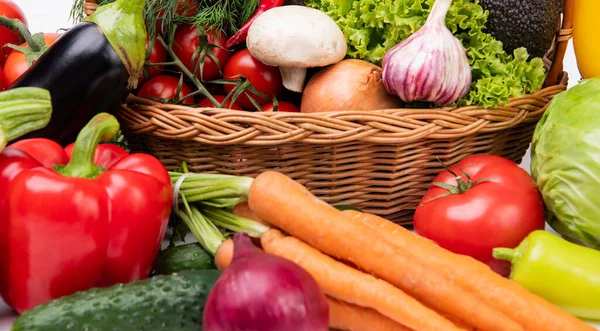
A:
(562, 40)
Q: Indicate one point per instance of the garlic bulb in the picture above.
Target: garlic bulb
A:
(430, 65)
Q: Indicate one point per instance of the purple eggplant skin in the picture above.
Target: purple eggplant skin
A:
(84, 75)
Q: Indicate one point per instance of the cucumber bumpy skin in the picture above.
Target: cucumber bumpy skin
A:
(173, 302)
(184, 257)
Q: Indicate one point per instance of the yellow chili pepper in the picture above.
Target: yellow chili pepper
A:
(566, 274)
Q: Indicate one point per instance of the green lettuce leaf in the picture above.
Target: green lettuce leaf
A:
(372, 27)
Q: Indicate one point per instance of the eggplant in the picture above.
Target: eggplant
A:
(84, 75)
(90, 68)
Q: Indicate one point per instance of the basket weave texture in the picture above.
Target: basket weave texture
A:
(380, 161)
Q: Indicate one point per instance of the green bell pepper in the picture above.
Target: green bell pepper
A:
(565, 274)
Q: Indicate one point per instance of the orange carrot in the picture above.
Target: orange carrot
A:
(531, 311)
(345, 283)
(242, 209)
(289, 206)
(345, 316)
(224, 255)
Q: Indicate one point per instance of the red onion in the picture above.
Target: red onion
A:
(263, 292)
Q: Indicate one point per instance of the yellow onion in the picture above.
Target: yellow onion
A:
(347, 85)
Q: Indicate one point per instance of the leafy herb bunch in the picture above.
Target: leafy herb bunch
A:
(224, 15)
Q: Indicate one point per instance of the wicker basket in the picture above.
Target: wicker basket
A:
(380, 161)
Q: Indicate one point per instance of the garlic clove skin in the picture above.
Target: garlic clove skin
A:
(430, 65)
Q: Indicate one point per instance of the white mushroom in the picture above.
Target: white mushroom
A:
(296, 38)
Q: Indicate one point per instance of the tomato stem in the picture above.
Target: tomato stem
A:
(461, 186)
(20, 28)
(186, 72)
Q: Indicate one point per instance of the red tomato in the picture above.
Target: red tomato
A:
(16, 63)
(220, 98)
(185, 8)
(282, 106)
(10, 10)
(157, 55)
(164, 87)
(187, 48)
(499, 211)
(265, 79)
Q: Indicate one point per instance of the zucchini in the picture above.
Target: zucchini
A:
(23, 110)
(184, 257)
(173, 302)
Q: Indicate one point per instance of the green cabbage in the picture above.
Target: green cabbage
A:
(565, 162)
(372, 27)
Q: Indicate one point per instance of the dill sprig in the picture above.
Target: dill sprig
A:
(225, 15)
(222, 15)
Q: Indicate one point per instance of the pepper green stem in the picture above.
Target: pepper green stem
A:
(19, 118)
(23, 110)
(102, 127)
(20, 28)
(507, 254)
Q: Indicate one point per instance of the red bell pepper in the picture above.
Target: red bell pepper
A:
(72, 223)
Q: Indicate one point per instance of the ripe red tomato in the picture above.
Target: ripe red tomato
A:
(16, 63)
(265, 79)
(282, 106)
(157, 55)
(164, 87)
(187, 48)
(220, 98)
(499, 211)
(10, 10)
(185, 8)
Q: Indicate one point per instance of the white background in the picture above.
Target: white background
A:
(52, 15)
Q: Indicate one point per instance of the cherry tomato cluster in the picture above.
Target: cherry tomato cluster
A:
(203, 53)
(13, 63)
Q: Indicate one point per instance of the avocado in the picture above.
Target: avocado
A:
(523, 23)
(167, 302)
(184, 257)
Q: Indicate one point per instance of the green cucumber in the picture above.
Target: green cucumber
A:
(173, 302)
(184, 257)
(345, 207)
(23, 110)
